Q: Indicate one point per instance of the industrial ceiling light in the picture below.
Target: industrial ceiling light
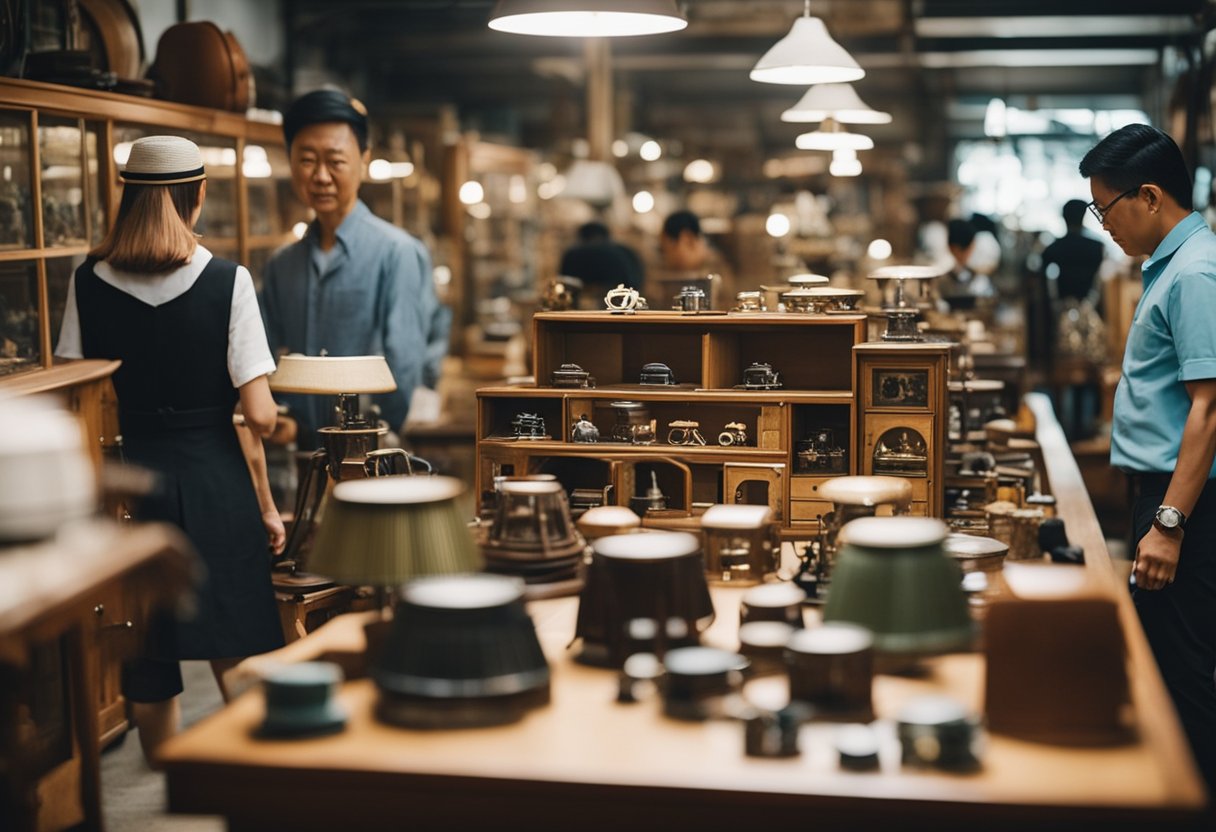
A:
(807, 55)
(831, 136)
(587, 18)
(837, 101)
(845, 163)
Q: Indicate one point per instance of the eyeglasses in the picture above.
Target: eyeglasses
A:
(1101, 211)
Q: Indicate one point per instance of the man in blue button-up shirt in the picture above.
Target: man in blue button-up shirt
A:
(1165, 412)
(355, 284)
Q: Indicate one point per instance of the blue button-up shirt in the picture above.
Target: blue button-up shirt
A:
(1172, 340)
(374, 297)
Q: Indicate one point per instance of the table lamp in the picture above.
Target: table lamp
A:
(387, 530)
(893, 577)
(345, 377)
(902, 311)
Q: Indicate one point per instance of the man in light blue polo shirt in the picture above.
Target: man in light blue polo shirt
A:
(1165, 412)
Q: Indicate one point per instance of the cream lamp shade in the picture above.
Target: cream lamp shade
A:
(587, 18)
(836, 101)
(832, 136)
(807, 55)
(907, 272)
(595, 182)
(386, 530)
(332, 374)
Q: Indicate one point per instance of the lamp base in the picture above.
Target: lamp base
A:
(423, 712)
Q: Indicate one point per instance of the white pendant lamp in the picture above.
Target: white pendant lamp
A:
(807, 55)
(587, 18)
(845, 163)
(831, 136)
(837, 101)
(595, 182)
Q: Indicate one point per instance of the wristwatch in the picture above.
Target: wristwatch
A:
(1169, 518)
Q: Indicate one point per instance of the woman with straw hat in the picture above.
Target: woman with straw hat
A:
(188, 331)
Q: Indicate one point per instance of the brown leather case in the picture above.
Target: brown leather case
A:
(199, 63)
(1056, 671)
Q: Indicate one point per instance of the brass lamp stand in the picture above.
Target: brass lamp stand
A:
(346, 445)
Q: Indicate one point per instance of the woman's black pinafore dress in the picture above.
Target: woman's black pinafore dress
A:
(175, 402)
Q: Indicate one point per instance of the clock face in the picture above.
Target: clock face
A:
(1168, 517)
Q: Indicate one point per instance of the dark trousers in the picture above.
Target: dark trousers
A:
(1180, 620)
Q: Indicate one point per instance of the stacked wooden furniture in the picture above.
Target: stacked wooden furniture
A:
(823, 366)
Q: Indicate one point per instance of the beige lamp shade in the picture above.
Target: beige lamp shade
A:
(332, 374)
(386, 530)
(587, 18)
(807, 55)
(907, 272)
(836, 101)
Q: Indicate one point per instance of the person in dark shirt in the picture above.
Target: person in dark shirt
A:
(1070, 273)
(1071, 263)
(601, 262)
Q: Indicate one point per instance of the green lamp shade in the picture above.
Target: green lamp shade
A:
(386, 530)
(893, 577)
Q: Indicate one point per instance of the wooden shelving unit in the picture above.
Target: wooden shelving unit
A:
(814, 355)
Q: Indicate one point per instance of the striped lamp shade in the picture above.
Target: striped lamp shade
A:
(386, 530)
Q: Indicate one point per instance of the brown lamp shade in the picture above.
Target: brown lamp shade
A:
(332, 374)
(644, 593)
(387, 530)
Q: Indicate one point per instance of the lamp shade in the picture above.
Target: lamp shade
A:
(832, 136)
(587, 18)
(807, 55)
(387, 530)
(462, 652)
(836, 101)
(893, 577)
(595, 182)
(332, 374)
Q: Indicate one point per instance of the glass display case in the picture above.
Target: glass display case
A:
(60, 152)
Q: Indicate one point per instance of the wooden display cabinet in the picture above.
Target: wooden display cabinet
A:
(902, 415)
(707, 355)
(61, 148)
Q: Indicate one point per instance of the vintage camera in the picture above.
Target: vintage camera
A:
(572, 376)
(528, 426)
(735, 433)
(684, 432)
(584, 430)
(760, 377)
(658, 374)
(691, 299)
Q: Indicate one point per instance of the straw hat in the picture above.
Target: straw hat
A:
(163, 160)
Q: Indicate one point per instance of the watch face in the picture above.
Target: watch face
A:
(1169, 517)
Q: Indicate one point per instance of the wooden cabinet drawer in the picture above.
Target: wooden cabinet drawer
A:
(809, 509)
(806, 488)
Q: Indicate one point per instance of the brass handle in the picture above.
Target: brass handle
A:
(100, 610)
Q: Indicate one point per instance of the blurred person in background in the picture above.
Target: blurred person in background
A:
(601, 263)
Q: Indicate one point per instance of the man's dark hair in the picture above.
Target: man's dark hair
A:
(1074, 212)
(960, 233)
(322, 106)
(680, 221)
(1136, 155)
(593, 232)
(983, 222)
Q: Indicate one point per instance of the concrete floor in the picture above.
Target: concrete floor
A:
(132, 795)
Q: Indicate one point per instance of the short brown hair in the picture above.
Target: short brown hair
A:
(152, 232)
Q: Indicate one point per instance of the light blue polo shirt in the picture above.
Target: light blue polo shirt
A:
(1172, 340)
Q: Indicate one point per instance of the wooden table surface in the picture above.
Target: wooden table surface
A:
(586, 761)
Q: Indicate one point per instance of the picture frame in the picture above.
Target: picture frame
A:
(899, 387)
